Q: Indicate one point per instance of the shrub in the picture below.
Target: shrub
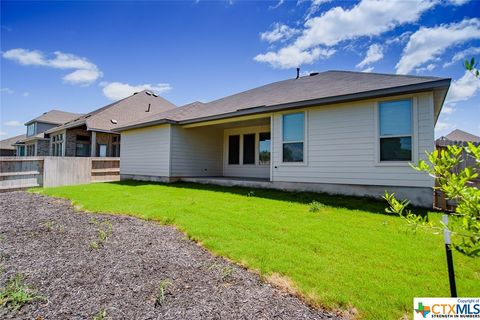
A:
(315, 206)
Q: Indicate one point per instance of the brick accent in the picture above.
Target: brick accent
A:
(43, 148)
(71, 140)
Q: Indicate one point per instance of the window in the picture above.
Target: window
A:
(249, 148)
(20, 151)
(30, 150)
(264, 148)
(82, 146)
(57, 145)
(102, 150)
(31, 129)
(116, 146)
(233, 149)
(395, 130)
(293, 137)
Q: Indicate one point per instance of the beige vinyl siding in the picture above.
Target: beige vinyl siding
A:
(146, 151)
(245, 170)
(196, 151)
(341, 146)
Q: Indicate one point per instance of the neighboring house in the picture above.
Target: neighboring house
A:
(92, 134)
(7, 148)
(457, 137)
(336, 131)
(36, 141)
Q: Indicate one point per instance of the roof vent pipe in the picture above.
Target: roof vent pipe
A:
(298, 73)
(148, 109)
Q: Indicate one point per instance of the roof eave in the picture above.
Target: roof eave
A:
(145, 124)
(413, 88)
(329, 100)
(63, 127)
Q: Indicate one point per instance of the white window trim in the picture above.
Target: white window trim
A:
(304, 163)
(240, 136)
(414, 134)
(63, 143)
(34, 125)
(256, 130)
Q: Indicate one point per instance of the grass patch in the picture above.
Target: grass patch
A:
(162, 292)
(16, 294)
(350, 255)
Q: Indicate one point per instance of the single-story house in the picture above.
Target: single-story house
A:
(337, 131)
(92, 135)
(36, 141)
(7, 148)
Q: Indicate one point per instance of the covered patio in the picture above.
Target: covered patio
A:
(231, 152)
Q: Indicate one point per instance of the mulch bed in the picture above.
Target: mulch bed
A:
(61, 255)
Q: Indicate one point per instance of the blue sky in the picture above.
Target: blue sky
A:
(78, 56)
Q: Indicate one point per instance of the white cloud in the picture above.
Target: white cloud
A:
(314, 7)
(442, 127)
(279, 32)
(464, 88)
(279, 3)
(428, 43)
(26, 57)
(429, 67)
(374, 54)
(3, 133)
(366, 19)
(26, 94)
(403, 38)
(290, 57)
(458, 2)
(6, 90)
(82, 76)
(118, 90)
(448, 109)
(13, 123)
(460, 56)
(85, 72)
(369, 69)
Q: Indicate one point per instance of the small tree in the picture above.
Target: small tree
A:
(464, 225)
(457, 185)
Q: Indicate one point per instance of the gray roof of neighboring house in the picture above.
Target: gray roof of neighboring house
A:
(132, 108)
(459, 135)
(322, 88)
(55, 117)
(6, 144)
(38, 136)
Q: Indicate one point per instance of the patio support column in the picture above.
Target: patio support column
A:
(271, 147)
(93, 148)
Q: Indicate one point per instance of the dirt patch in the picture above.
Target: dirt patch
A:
(85, 263)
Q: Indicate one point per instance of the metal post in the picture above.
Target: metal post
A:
(448, 249)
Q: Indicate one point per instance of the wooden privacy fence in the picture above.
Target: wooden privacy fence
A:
(439, 201)
(27, 172)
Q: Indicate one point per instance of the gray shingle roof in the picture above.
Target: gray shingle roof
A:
(55, 117)
(459, 135)
(132, 108)
(324, 85)
(6, 144)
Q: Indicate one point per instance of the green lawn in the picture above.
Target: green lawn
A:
(348, 254)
